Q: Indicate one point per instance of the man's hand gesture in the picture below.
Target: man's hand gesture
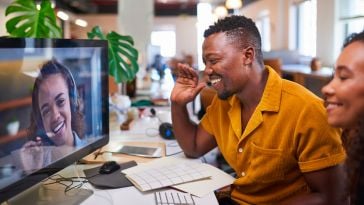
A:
(187, 85)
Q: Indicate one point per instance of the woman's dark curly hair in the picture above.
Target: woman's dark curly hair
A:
(354, 37)
(49, 68)
(241, 31)
(353, 141)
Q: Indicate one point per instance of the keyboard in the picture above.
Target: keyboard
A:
(173, 198)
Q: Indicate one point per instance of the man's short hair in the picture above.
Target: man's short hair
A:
(241, 30)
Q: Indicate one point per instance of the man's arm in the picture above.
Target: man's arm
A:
(328, 187)
(193, 139)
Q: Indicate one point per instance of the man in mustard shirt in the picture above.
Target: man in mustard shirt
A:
(271, 131)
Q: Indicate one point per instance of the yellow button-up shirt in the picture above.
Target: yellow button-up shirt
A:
(287, 135)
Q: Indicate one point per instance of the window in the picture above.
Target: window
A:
(352, 16)
(353, 26)
(204, 20)
(263, 24)
(305, 13)
(166, 40)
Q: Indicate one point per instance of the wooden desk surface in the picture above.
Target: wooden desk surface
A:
(312, 80)
(325, 72)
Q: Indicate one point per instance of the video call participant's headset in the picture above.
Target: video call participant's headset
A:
(49, 68)
(165, 128)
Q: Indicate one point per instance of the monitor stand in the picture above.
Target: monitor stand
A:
(51, 194)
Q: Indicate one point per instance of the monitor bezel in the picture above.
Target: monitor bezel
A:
(21, 185)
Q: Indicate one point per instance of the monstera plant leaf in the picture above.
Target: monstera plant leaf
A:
(28, 21)
(123, 57)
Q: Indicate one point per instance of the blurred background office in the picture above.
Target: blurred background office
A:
(295, 31)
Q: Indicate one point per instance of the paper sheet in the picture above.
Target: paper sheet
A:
(198, 188)
(201, 188)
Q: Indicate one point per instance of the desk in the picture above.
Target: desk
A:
(312, 80)
(125, 196)
(131, 195)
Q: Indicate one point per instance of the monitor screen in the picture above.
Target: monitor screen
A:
(53, 107)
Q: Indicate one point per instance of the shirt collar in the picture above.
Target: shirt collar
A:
(271, 98)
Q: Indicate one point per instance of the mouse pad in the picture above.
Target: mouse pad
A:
(107, 181)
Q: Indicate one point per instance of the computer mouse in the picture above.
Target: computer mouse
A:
(166, 131)
(109, 167)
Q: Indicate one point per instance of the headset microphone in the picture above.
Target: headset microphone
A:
(153, 112)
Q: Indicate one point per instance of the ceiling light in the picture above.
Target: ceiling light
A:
(220, 12)
(62, 15)
(233, 4)
(81, 22)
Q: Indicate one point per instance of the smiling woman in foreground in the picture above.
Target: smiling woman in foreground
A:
(345, 108)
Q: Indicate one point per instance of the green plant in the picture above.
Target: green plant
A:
(122, 55)
(29, 21)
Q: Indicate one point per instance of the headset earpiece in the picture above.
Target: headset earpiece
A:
(166, 131)
(73, 91)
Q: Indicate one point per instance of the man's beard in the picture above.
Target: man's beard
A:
(224, 95)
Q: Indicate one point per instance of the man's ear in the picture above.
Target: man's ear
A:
(249, 55)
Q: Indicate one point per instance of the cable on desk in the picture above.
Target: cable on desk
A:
(59, 179)
(167, 155)
(87, 185)
(204, 159)
(173, 144)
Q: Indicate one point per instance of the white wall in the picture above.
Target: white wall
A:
(3, 5)
(107, 23)
(135, 18)
(278, 14)
(2, 20)
(186, 33)
(327, 25)
(327, 20)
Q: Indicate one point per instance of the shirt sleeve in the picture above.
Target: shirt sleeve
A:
(319, 144)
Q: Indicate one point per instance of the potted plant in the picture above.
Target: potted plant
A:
(29, 21)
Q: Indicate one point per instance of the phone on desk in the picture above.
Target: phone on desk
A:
(140, 151)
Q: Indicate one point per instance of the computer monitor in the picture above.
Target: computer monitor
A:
(53, 107)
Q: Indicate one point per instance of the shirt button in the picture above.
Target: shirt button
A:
(240, 150)
(243, 174)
